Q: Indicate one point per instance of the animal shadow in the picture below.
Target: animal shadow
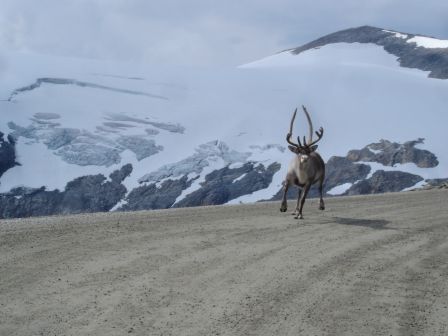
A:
(376, 224)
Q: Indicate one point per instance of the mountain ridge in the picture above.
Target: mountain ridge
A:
(410, 55)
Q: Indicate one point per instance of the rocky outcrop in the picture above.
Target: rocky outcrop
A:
(226, 184)
(219, 187)
(391, 153)
(161, 189)
(384, 181)
(352, 172)
(340, 170)
(440, 183)
(7, 153)
(434, 60)
(152, 196)
(92, 193)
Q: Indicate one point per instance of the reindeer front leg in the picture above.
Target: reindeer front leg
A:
(296, 211)
(284, 205)
(302, 200)
(321, 201)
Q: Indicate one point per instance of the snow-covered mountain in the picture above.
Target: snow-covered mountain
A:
(83, 135)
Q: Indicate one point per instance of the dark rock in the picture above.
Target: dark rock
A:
(225, 184)
(391, 153)
(436, 182)
(118, 176)
(7, 153)
(92, 193)
(340, 170)
(37, 203)
(384, 181)
(148, 197)
(439, 183)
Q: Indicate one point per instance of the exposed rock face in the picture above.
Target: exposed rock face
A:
(340, 170)
(91, 193)
(440, 183)
(409, 54)
(384, 181)
(119, 175)
(150, 196)
(7, 153)
(219, 187)
(226, 184)
(390, 153)
(347, 170)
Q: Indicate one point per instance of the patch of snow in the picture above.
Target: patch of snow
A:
(340, 189)
(172, 178)
(426, 173)
(239, 178)
(416, 186)
(374, 151)
(397, 34)
(119, 205)
(236, 165)
(428, 42)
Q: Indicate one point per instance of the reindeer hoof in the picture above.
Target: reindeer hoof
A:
(283, 209)
(299, 216)
(321, 205)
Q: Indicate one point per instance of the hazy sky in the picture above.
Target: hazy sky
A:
(200, 32)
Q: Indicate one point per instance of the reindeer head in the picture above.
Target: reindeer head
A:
(308, 147)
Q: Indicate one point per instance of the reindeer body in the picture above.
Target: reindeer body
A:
(302, 172)
(305, 169)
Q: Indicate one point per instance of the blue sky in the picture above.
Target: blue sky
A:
(199, 32)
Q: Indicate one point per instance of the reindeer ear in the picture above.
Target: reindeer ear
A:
(294, 149)
(313, 148)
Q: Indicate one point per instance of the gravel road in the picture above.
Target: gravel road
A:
(368, 265)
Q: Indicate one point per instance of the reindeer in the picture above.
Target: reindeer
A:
(305, 169)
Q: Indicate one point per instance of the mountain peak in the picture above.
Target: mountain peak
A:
(413, 51)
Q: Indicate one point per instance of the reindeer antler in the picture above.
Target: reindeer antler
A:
(310, 137)
(288, 136)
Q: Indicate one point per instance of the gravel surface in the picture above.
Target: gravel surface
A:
(368, 265)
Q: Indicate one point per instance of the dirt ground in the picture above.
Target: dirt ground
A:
(368, 265)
